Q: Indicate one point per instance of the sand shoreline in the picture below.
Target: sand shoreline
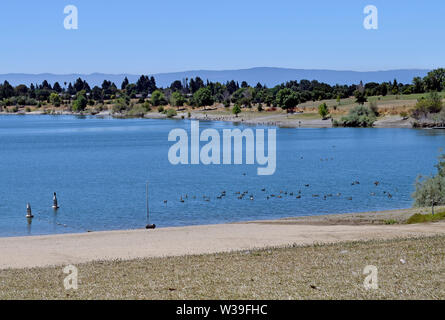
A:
(64, 249)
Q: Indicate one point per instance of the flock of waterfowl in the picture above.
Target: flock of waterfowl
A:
(240, 195)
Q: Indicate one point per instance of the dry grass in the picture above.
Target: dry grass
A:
(310, 272)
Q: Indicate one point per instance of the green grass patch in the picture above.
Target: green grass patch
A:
(421, 218)
(390, 221)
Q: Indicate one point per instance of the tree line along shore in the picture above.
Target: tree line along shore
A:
(361, 105)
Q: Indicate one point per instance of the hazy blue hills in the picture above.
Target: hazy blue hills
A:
(268, 76)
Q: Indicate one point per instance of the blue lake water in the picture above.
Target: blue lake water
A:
(99, 168)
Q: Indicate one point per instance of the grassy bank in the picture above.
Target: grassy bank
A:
(311, 272)
(422, 218)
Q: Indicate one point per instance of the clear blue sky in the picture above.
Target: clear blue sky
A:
(147, 36)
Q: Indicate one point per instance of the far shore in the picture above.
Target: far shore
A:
(276, 119)
(48, 250)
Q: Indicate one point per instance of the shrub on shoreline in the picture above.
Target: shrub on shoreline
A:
(425, 106)
(137, 111)
(359, 116)
(430, 192)
(171, 113)
(422, 218)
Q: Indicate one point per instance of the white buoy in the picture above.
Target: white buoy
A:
(28, 211)
(55, 205)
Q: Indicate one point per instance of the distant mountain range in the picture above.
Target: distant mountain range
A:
(268, 76)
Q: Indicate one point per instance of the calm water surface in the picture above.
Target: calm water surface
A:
(99, 168)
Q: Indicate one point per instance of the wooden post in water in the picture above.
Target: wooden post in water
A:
(28, 211)
(149, 226)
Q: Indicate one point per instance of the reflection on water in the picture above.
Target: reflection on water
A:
(28, 229)
(99, 168)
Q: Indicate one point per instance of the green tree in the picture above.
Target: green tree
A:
(55, 99)
(124, 83)
(431, 191)
(360, 97)
(395, 87)
(236, 110)
(287, 99)
(81, 102)
(203, 97)
(435, 80)
(418, 85)
(177, 99)
(323, 110)
(158, 98)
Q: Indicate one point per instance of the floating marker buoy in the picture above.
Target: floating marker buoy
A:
(55, 205)
(28, 211)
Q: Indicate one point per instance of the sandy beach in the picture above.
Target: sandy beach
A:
(39, 251)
